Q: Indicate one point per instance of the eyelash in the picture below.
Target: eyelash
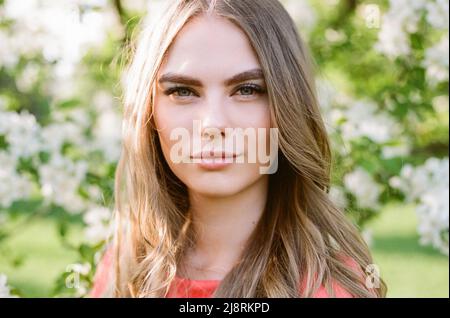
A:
(256, 88)
(175, 89)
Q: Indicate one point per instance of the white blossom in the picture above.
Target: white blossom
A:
(13, 186)
(107, 129)
(393, 41)
(4, 288)
(437, 13)
(56, 134)
(364, 120)
(441, 105)
(60, 179)
(436, 61)
(428, 185)
(98, 220)
(366, 191)
(8, 58)
(337, 195)
(398, 22)
(22, 133)
(302, 13)
(28, 77)
(330, 99)
(57, 29)
(80, 268)
(433, 212)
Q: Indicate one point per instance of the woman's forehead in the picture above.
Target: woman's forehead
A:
(210, 45)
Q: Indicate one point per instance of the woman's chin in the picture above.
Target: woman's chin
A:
(220, 182)
(215, 188)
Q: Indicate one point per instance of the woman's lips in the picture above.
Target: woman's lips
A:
(214, 160)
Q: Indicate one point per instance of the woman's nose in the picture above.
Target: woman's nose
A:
(212, 133)
(213, 120)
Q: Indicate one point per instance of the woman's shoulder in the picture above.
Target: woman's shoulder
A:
(104, 271)
(340, 291)
(103, 274)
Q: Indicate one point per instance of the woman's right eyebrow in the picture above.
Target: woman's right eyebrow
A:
(179, 79)
(187, 80)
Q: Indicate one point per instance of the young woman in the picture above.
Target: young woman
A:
(218, 226)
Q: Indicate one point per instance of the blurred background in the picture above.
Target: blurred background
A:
(383, 72)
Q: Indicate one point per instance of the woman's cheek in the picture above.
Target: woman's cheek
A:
(256, 115)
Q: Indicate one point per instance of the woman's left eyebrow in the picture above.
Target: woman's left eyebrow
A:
(238, 78)
(245, 76)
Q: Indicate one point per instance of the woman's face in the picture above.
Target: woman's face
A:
(211, 83)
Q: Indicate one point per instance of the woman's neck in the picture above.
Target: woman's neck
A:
(223, 226)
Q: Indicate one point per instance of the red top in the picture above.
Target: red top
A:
(189, 288)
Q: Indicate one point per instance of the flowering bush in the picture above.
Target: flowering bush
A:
(382, 83)
(59, 136)
(428, 186)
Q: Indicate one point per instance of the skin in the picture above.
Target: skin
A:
(226, 203)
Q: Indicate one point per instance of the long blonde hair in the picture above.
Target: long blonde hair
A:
(301, 237)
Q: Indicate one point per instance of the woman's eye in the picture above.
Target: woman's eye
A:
(249, 90)
(183, 92)
(180, 92)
